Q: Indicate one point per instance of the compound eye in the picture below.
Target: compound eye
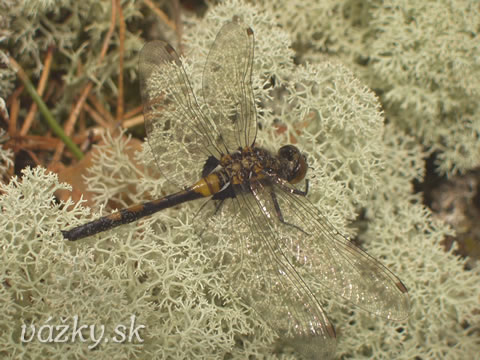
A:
(297, 164)
(289, 152)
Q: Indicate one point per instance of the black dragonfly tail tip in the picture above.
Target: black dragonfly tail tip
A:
(67, 235)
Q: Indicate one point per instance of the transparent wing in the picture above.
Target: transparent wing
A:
(227, 86)
(261, 273)
(180, 136)
(331, 261)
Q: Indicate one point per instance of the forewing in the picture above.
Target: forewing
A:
(180, 136)
(335, 264)
(267, 280)
(227, 86)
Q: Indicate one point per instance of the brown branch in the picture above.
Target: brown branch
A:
(40, 89)
(121, 52)
(177, 16)
(34, 157)
(13, 103)
(96, 116)
(160, 14)
(100, 108)
(78, 106)
(135, 111)
(14, 108)
(137, 120)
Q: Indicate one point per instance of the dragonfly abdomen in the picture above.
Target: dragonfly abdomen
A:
(133, 213)
(207, 186)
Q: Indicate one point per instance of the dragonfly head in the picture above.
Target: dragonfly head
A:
(294, 163)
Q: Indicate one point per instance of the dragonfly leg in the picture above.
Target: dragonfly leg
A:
(279, 212)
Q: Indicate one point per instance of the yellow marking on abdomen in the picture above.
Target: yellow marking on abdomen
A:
(117, 216)
(208, 186)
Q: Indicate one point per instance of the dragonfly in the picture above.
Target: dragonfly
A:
(292, 251)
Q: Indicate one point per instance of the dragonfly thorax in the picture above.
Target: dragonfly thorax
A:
(255, 163)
